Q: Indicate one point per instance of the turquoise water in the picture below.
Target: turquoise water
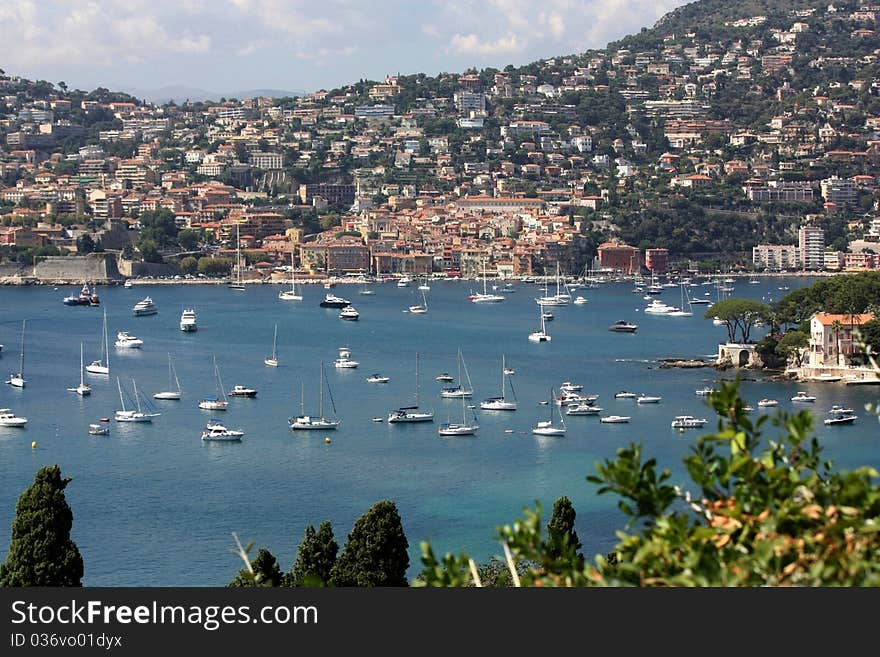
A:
(154, 506)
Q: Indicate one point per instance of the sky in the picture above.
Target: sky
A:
(297, 45)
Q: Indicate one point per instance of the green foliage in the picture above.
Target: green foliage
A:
(375, 553)
(739, 316)
(315, 558)
(159, 227)
(188, 239)
(790, 345)
(41, 552)
(85, 244)
(189, 265)
(761, 511)
(842, 294)
(562, 538)
(149, 250)
(215, 266)
(264, 572)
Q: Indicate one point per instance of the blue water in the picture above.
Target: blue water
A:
(154, 506)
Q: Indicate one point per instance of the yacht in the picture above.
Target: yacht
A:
(242, 391)
(647, 399)
(582, 408)
(344, 360)
(614, 419)
(9, 419)
(128, 283)
(840, 410)
(444, 377)
(350, 313)
(501, 403)
(624, 394)
(546, 427)
(333, 301)
(659, 307)
(568, 386)
(802, 396)
(377, 378)
(188, 320)
(768, 402)
(404, 281)
(406, 414)
(623, 326)
(125, 340)
(216, 432)
(579, 301)
(688, 422)
(145, 307)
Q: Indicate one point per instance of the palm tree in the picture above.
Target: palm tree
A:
(837, 327)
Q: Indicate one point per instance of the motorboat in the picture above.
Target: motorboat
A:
(377, 378)
(10, 419)
(840, 419)
(444, 377)
(623, 326)
(86, 297)
(688, 422)
(659, 307)
(704, 391)
(99, 430)
(128, 283)
(568, 398)
(623, 394)
(125, 340)
(188, 322)
(767, 402)
(840, 410)
(648, 399)
(349, 313)
(404, 281)
(242, 391)
(802, 396)
(145, 307)
(579, 301)
(344, 361)
(568, 386)
(333, 301)
(583, 408)
(216, 432)
(614, 419)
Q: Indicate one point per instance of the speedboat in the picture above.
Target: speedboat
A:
(99, 430)
(623, 326)
(688, 422)
(614, 419)
(242, 391)
(125, 340)
(802, 396)
(579, 301)
(9, 419)
(377, 378)
(344, 360)
(703, 391)
(333, 301)
(583, 408)
(647, 399)
(445, 377)
(768, 402)
(188, 320)
(840, 419)
(145, 307)
(216, 432)
(509, 371)
(350, 313)
(623, 394)
(840, 410)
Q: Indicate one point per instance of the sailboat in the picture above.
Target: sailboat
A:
(126, 415)
(237, 285)
(16, 379)
(364, 289)
(546, 427)
(484, 296)
(272, 361)
(83, 388)
(454, 392)
(412, 413)
(173, 391)
(462, 429)
(558, 299)
(291, 295)
(218, 403)
(680, 311)
(307, 422)
(501, 403)
(422, 308)
(102, 365)
(540, 336)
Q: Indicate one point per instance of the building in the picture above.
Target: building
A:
(342, 195)
(834, 338)
(776, 256)
(620, 257)
(839, 190)
(498, 204)
(811, 242)
(266, 160)
(338, 257)
(657, 260)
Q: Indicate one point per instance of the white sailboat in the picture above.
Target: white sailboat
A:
(308, 422)
(219, 402)
(680, 311)
(16, 379)
(237, 285)
(102, 365)
(454, 392)
(542, 335)
(364, 289)
(126, 415)
(272, 361)
(83, 388)
(291, 294)
(501, 403)
(422, 308)
(485, 296)
(411, 413)
(173, 391)
(546, 427)
(459, 429)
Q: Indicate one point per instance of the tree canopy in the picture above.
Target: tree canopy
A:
(315, 557)
(739, 316)
(375, 553)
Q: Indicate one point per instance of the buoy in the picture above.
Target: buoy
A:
(681, 430)
(327, 440)
(33, 444)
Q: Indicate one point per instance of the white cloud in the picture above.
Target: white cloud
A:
(471, 44)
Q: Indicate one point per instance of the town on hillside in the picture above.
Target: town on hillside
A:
(744, 143)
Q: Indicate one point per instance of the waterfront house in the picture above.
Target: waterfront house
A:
(833, 338)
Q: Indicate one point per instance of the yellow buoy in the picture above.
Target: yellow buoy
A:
(34, 444)
(681, 430)
(327, 440)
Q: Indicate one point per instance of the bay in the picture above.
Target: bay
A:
(155, 506)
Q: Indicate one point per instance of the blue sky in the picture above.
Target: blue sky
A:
(228, 45)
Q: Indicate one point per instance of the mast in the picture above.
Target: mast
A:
(81, 375)
(137, 397)
(274, 340)
(321, 396)
(21, 358)
(503, 375)
(302, 398)
(121, 400)
(417, 379)
(106, 342)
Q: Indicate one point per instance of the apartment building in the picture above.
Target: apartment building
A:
(811, 242)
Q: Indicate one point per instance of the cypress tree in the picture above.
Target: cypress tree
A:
(41, 552)
(266, 572)
(315, 557)
(375, 553)
(562, 539)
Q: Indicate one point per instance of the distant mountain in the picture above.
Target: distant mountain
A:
(181, 93)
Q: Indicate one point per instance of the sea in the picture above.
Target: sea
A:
(154, 505)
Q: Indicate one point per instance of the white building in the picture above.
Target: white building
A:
(830, 347)
(776, 256)
(266, 160)
(811, 241)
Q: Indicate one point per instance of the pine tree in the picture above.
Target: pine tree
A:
(265, 572)
(41, 552)
(375, 553)
(315, 557)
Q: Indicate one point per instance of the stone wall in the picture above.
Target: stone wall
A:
(92, 268)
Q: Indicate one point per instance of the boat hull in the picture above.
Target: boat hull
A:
(167, 395)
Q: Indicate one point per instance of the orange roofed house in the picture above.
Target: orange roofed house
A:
(831, 338)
